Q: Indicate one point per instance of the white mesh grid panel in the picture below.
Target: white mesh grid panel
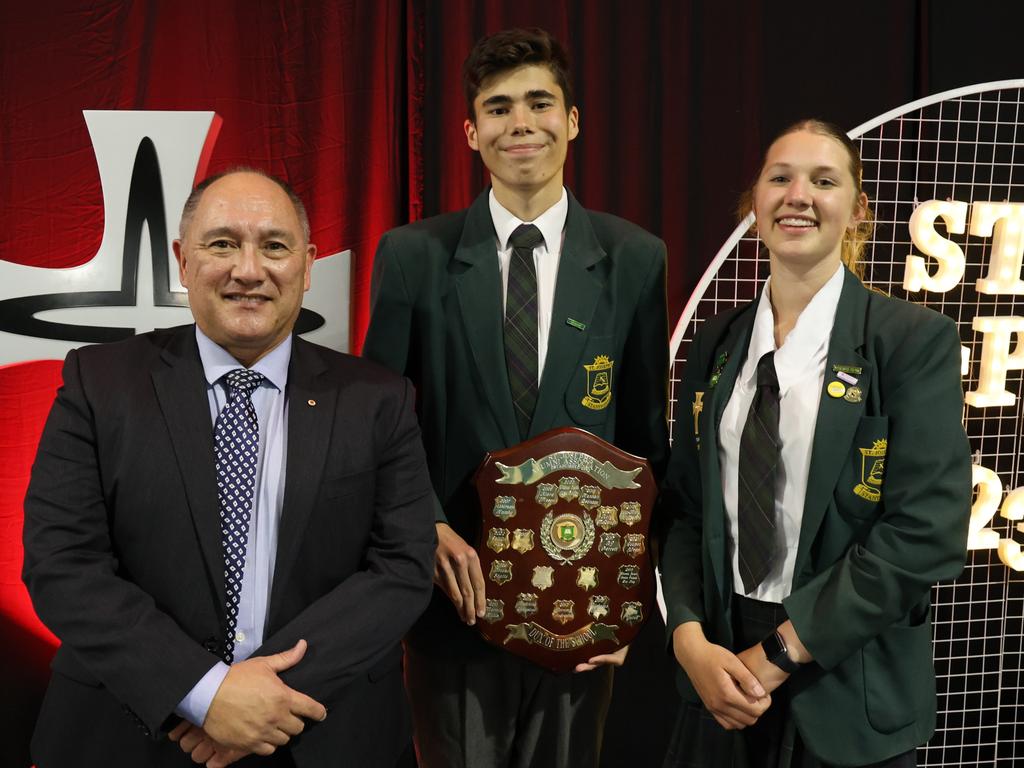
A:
(965, 145)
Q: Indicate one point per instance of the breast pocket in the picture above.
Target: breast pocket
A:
(360, 483)
(592, 387)
(862, 482)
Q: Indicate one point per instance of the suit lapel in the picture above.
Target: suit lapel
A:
(181, 392)
(733, 347)
(479, 291)
(582, 275)
(838, 418)
(312, 403)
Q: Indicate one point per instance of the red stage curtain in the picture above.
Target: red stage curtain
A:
(315, 92)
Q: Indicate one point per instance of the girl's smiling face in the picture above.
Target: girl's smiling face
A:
(806, 199)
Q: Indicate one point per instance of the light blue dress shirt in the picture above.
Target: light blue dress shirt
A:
(270, 401)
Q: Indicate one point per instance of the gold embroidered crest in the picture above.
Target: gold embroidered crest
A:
(599, 383)
(872, 471)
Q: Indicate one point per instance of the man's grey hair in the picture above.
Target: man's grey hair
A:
(193, 199)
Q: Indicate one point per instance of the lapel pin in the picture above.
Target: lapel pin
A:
(836, 389)
(716, 374)
(853, 395)
(854, 370)
(311, 402)
(576, 324)
(846, 377)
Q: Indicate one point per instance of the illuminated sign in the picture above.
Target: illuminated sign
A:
(1002, 345)
(147, 163)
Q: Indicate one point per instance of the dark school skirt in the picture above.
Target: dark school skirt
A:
(698, 741)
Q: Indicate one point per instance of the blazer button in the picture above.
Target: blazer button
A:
(210, 644)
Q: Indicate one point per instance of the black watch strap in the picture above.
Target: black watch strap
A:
(775, 649)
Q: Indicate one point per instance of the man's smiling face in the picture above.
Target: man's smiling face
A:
(245, 262)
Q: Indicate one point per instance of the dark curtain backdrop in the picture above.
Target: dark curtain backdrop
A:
(359, 104)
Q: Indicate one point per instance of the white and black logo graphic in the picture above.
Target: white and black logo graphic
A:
(147, 163)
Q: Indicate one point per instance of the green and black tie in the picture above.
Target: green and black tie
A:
(758, 471)
(521, 324)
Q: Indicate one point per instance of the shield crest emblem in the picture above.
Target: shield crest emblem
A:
(587, 578)
(599, 383)
(872, 471)
(573, 588)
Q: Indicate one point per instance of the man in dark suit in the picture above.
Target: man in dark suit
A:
(448, 296)
(228, 528)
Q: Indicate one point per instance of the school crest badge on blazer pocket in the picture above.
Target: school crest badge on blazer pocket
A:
(872, 471)
(599, 383)
(860, 491)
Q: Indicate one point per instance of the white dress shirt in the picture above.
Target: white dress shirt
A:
(546, 254)
(800, 365)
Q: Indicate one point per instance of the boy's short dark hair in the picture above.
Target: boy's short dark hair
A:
(512, 48)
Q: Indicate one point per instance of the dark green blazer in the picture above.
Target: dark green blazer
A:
(436, 317)
(866, 562)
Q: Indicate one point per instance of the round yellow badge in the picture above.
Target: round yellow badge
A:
(836, 388)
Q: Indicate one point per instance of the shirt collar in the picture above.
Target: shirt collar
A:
(217, 361)
(804, 343)
(550, 223)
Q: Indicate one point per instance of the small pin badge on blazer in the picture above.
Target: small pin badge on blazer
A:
(849, 379)
(856, 370)
(311, 402)
(716, 374)
(836, 389)
(575, 324)
(698, 408)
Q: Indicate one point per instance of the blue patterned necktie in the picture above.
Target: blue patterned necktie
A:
(236, 445)
(521, 324)
(758, 469)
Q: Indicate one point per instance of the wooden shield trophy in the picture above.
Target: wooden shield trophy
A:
(564, 547)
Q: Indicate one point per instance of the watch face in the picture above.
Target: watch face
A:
(773, 647)
(776, 652)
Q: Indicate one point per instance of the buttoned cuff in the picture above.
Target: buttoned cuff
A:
(197, 702)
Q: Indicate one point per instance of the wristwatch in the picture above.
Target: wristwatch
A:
(775, 649)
